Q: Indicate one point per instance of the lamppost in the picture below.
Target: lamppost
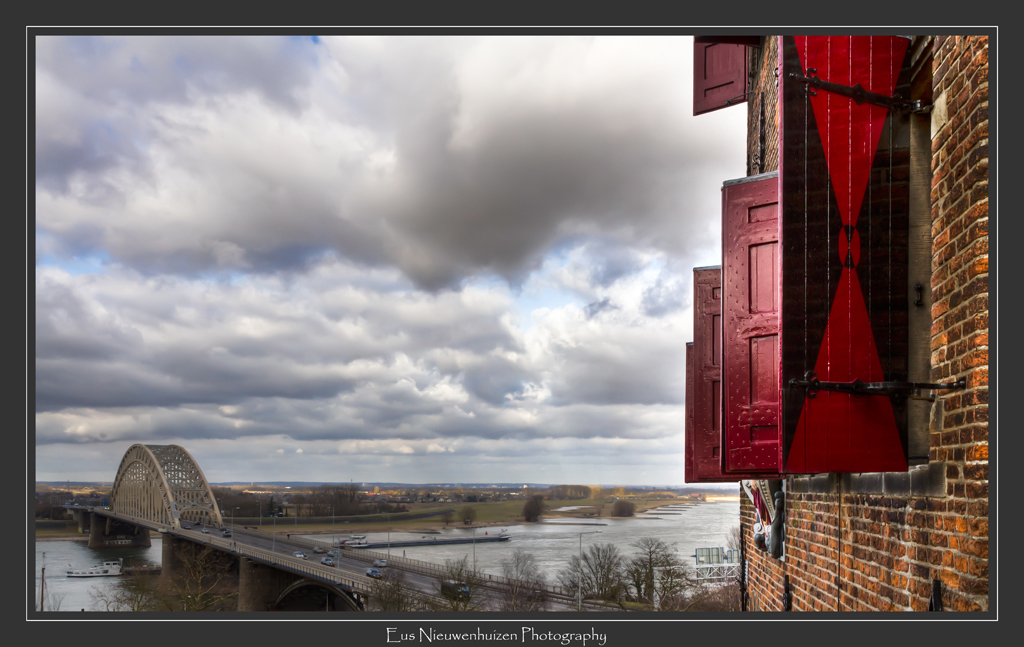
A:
(260, 504)
(273, 544)
(332, 526)
(233, 520)
(389, 535)
(579, 576)
(474, 551)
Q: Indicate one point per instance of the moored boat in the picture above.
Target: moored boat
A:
(106, 569)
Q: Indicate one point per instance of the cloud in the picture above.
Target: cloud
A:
(376, 251)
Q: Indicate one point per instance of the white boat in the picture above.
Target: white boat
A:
(353, 540)
(106, 569)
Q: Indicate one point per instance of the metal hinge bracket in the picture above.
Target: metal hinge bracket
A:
(857, 93)
(812, 385)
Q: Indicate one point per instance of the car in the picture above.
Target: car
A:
(299, 554)
(227, 533)
(319, 550)
(380, 563)
(205, 531)
(374, 573)
(188, 527)
(334, 553)
(455, 590)
(327, 561)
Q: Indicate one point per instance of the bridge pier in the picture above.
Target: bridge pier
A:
(82, 517)
(260, 585)
(105, 532)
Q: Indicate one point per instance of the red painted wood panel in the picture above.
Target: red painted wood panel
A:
(836, 431)
(750, 319)
(707, 373)
(689, 473)
(719, 74)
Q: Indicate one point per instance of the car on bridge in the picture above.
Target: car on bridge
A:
(187, 527)
(327, 561)
(380, 563)
(205, 531)
(455, 590)
(299, 554)
(319, 550)
(227, 533)
(374, 573)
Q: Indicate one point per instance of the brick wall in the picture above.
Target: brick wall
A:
(763, 134)
(877, 542)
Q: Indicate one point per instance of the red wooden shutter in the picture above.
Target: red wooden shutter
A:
(688, 459)
(844, 227)
(750, 316)
(707, 374)
(719, 75)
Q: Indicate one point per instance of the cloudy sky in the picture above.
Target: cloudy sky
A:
(414, 259)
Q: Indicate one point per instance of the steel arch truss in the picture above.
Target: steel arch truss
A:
(163, 484)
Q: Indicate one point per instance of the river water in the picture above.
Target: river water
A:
(552, 542)
(77, 592)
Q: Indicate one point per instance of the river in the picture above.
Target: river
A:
(552, 542)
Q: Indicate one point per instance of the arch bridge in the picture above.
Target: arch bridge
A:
(163, 484)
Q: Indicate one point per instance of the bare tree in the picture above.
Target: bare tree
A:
(734, 540)
(642, 570)
(458, 586)
(390, 592)
(205, 582)
(523, 589)
(53, 601)
(139, 591)
(447, 517)
(601, 572)
(467, 514)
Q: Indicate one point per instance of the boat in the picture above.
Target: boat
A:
(106, 569)
(353, 540)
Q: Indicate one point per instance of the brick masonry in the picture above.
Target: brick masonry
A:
(851, 550)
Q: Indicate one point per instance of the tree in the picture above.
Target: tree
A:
(623, 508)
(601, 571)
(205, 582)
(523, 588)
(390, 592)
(139, 591)
(534, 507)
(458, 586)
(642, 571)
(447, 517)
(467, 514)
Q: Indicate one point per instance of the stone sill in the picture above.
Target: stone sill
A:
(920, 480)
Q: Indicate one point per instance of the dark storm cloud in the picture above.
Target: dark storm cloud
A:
(444, 157)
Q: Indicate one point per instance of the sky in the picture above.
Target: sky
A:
(406, 258)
